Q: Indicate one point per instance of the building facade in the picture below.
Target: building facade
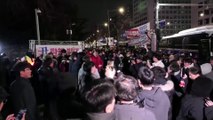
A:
(173, 18)
(202, 14)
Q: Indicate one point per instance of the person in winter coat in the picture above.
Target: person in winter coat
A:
(193, 103)
(153, 98)
(22, 92)
(126, 108)
(97, 60)
(100, 101)
(49, 87)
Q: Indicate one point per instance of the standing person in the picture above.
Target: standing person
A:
(3, 100)
(126, 108)
(49, 87)
(153, 98)
(4, 70)
(110, 70)
(187, 63)
(91, 74)
(100, 101)
(97, 60)
(62, 59)
(192, 105)
(157, 61)
(22, 93)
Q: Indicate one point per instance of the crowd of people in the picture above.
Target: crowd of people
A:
(110, 84)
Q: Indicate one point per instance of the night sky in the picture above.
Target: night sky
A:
(17, 17)
(96, 10)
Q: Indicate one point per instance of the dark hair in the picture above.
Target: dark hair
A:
(47, 61)
(195, 70)
(63, 51)
(86, 58)
(159, 72)
(126, 88)
(187, 60)
(157, 55)
(3, 94)
(146, 76)
(174, 67)
(87, 66)
(99, 96)
(21, 66)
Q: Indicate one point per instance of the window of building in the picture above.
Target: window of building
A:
(200, 6)
(200, 22)
(206, 12)
(207, 21)
(199, 13)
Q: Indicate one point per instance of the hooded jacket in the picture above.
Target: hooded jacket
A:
(157, 101)
(101, 116)
(133, 112)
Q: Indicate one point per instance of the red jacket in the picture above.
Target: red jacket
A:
(97, 61)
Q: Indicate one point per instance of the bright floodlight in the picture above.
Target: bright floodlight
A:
(201, 14)
(105, 24)
(121, 10)
(168, 23)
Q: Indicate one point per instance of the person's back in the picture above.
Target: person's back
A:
(153, 98)
(191, 108)
(157, 101)
(133, 112)
(126, 109)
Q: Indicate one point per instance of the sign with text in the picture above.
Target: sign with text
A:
(138, 35)
(56, 49)
(138, 32)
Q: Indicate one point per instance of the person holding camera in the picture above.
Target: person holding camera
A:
(3, 100)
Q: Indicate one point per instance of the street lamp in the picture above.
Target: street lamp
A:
(121, 10)
(106, 24)
(37, 11)
(201, 14)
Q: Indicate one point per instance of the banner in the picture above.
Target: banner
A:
(137, 32)
(56, 49)
(138, 35)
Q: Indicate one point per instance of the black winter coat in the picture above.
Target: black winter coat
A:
(23, 97)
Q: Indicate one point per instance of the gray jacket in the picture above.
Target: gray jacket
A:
(133, 112)
(157, 101)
